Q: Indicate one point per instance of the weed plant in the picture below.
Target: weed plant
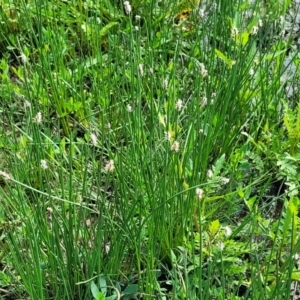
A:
(149, 150)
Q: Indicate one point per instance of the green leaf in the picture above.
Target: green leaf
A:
(113, 297)
(250, 203)
(274, 54)
(131, 289)
(94, 290)
(96, 293)
(214, 227)
(296, 275)
(244, 38)
(4, 279)
(105, 29)
(218, 166)
(102, 284)
(229, 62)
(161, 120)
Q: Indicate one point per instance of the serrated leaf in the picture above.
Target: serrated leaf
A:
(214, 227)
(218, 166)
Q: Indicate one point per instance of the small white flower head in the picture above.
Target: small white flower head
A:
(49, 210)
(98, 20)
(141, 69)
(201, 131)
(282, 33)
(27, 104)
(225, 180)
(254, 30)
(260, 23)
(5, 175)
(107, 247)
(166, 83)
(38, 118)
(296, 256)
(44, 164)
(179, 105)
(199, 193)
(137, 28)
(108, 126)
(127, 7)
(203, 102)
(151, 71)
(168, 136)
(256, 61)
(281, 20)
(209, 259)
(24, 58)
(203, 70)
(221, 246)
(214, 6)
(138, 17)
(251, 72)
(213, 95)
(201, 13)
(129, 108)
(201, 65)
(209, 174)
(175, 146)
(234, 32)
(109, 166)
(227, 231)
(94, 139)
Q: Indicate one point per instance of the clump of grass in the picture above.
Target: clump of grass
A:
(140, 144)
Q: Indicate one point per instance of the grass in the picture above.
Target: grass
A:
(149, 150)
